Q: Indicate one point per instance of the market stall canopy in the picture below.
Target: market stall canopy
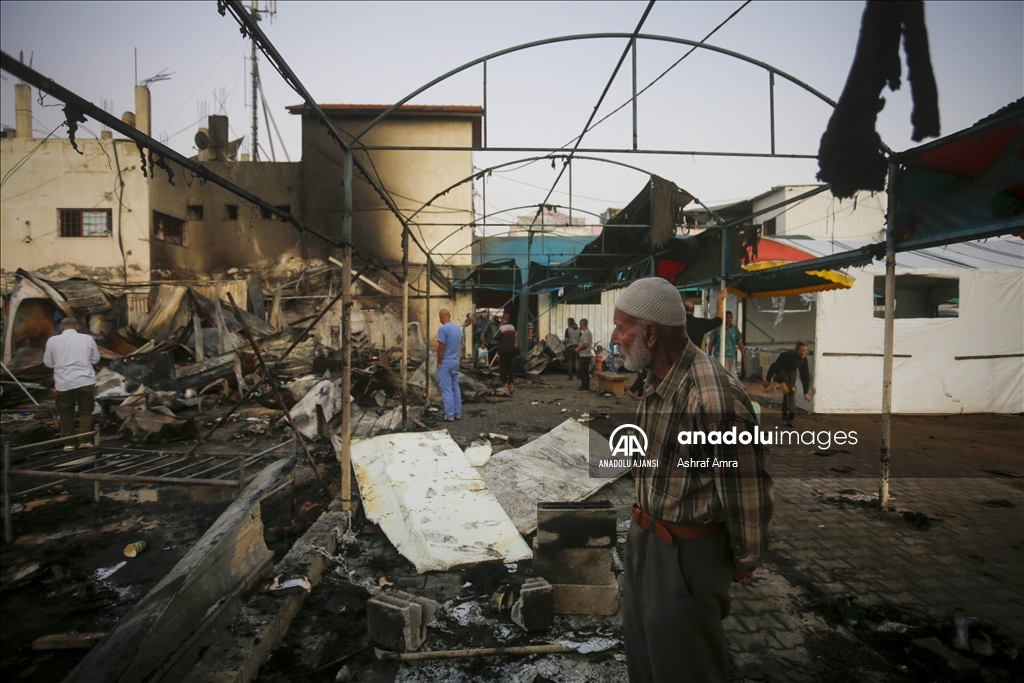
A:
(965, 186)
(768, 278)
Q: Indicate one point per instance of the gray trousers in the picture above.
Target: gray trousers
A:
(674, 600)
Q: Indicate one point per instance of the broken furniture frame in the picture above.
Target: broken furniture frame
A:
(131, 466)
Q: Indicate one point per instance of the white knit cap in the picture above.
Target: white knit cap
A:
(654, 300)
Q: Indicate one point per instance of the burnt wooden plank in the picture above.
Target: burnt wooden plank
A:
(67, 641)
(167, 618)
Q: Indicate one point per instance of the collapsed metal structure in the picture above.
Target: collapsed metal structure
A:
(616, 273)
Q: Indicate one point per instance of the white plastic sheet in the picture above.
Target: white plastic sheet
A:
(431, 503)
(551, 468)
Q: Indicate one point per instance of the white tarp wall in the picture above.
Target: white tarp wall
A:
(938, 364)
(554, 320)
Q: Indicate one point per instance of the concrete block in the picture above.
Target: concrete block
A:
(587, 524)
(397, 621)
(580, 599)
(589, 566)
(535, 608)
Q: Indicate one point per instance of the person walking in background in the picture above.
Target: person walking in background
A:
(508, 345)
(586, 354)
(72, 356)
(449, 344)
(572, 340)
(733, 340)
(696, 327)
(784, 371)
(479, 341)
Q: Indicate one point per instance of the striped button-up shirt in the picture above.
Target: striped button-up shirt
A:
(698, 395)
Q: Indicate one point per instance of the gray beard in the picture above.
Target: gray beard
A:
(638, 359)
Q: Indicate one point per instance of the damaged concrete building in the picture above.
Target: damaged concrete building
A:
(93, 208)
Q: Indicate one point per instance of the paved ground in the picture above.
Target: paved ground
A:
(846, 588)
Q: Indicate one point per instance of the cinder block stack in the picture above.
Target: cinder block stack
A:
(535, 608)
(397, 621)
(572, 550)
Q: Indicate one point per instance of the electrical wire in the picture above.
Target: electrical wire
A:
(189, 97)
(663, 74)
(14, 169)
(600, 100)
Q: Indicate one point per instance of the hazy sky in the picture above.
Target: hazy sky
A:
(379, 52)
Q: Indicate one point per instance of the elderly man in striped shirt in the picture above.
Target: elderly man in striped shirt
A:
(696, 526)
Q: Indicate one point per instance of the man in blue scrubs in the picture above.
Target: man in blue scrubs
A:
(449, 344)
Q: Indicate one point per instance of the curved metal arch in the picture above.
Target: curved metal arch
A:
(566, 155)
(591, 36)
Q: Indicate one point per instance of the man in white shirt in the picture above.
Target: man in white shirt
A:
(72, 356)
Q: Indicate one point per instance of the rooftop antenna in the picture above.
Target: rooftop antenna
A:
(164, 75)
(269, 9)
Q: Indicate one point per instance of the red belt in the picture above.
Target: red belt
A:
(670, 531)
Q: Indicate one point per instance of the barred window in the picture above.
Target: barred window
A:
(85, 222)
(169, 229)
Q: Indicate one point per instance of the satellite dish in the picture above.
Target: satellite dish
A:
(202, 139)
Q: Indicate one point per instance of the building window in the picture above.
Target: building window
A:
(231, 212)
(265, 213)
(921, 296)
(195, 213)
(169, 229)
(768, 228)
(85, 222)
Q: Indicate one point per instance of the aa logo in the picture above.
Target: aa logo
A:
(625, 441)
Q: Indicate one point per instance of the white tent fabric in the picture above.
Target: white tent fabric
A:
(939, 364)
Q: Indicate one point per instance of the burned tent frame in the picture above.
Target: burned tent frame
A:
(77, 107)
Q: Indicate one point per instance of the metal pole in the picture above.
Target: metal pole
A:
(771, 104)
(96, 465)
(890, 316)
(426, 389)
(485, 111)
(20, 385)
(346, 340)
(725, 274)
(8, 526)
(255, 88)
(634, 95)
(405, 328)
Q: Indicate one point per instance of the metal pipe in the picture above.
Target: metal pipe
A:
(591, 36)
(485, 106)
(20, 385)
(633, 42)
(890, 317)
(405, 328)
(560, 151)
(771, 104)
(50, 442)
(123, 478)
(386, 656)
(346, 339)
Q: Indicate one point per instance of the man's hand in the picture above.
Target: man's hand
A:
(722, 294)
(807, 397)
(742, 577)
(766, 384)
